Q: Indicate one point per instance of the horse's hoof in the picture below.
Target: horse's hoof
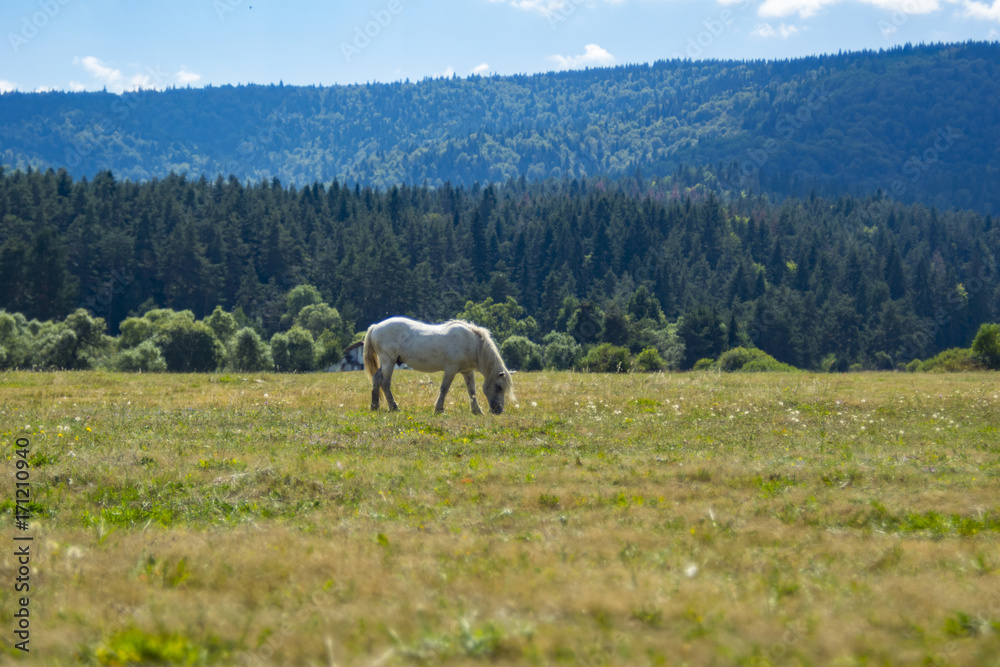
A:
(477, 410)
(393, 408)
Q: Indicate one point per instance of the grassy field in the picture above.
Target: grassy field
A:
(663, 519)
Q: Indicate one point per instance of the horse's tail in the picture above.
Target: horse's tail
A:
(371, 358)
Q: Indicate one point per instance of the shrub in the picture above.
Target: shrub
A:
(329, 350)
(705, 364)
(649, 361)
(829, 363)
(663, 337)
(319, 317)
(134, 331)
(222, 324)
(521, 354)
(294, 350)
(606, 358)
(14, 340)
(189, 347)
(751, 360)
(249, 353)
(561, 351)
(954, 360)
(78, 342)
(143, 358)
(986, 346)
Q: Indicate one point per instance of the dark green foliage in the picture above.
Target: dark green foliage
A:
(143, 358)
(606, 358)
(294, 351)
(986, 346)
(649, 360)
(955, 360)
(223, 324)
(603, 261)
(751, 360)
(643, 305)
(249, 353)
(520, 354)
(586, 324)
(77, 343)
(189, 347)
(502, 319)
(703, 335)
(561, 352)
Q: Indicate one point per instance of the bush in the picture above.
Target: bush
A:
(189, 347)
(955, 360)
(134, 331)
(294, 351)
(751, 360)
(222, 324)
(986, 346)
(606, 358)
(249, 353)
(521, 354)
(705, 364)
(14, 340)
(77, 343)
(649, 361)
(663, 337)
(143, 358)
(561, 351)
(329, 350)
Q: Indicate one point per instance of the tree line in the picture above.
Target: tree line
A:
(635, 263)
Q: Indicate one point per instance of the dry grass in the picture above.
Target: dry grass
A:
(638, 519)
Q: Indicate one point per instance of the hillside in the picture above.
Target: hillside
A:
(922, 119)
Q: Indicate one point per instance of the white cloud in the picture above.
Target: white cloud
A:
(116, 82)
(186, 78)
(543, 7)
(481, 68)
(6, 86)
(766, 30)
(807, 8)
(994, 34)
(109, 77)
(593, 56)
(448, 72)
(554, 9)
(76, 86)
(981, 10)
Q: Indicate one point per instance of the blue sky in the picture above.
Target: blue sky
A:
(119, 45)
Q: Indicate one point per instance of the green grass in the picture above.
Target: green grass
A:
(696, 518)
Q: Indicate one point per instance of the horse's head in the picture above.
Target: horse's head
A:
(495, 392)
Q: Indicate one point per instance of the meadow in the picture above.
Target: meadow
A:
(638, 519)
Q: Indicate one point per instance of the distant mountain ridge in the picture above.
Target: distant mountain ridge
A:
(921, 123)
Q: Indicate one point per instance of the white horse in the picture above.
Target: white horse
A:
(453, 347)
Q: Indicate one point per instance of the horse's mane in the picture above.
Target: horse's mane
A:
(490, 362)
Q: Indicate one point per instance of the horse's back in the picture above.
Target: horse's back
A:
(426, 347)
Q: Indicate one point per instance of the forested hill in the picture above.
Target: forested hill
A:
(924, 119)
(815, 281)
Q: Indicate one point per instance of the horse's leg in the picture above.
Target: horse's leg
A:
(387, 367)
(445, 385)
(470, 384)
(376, 387)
